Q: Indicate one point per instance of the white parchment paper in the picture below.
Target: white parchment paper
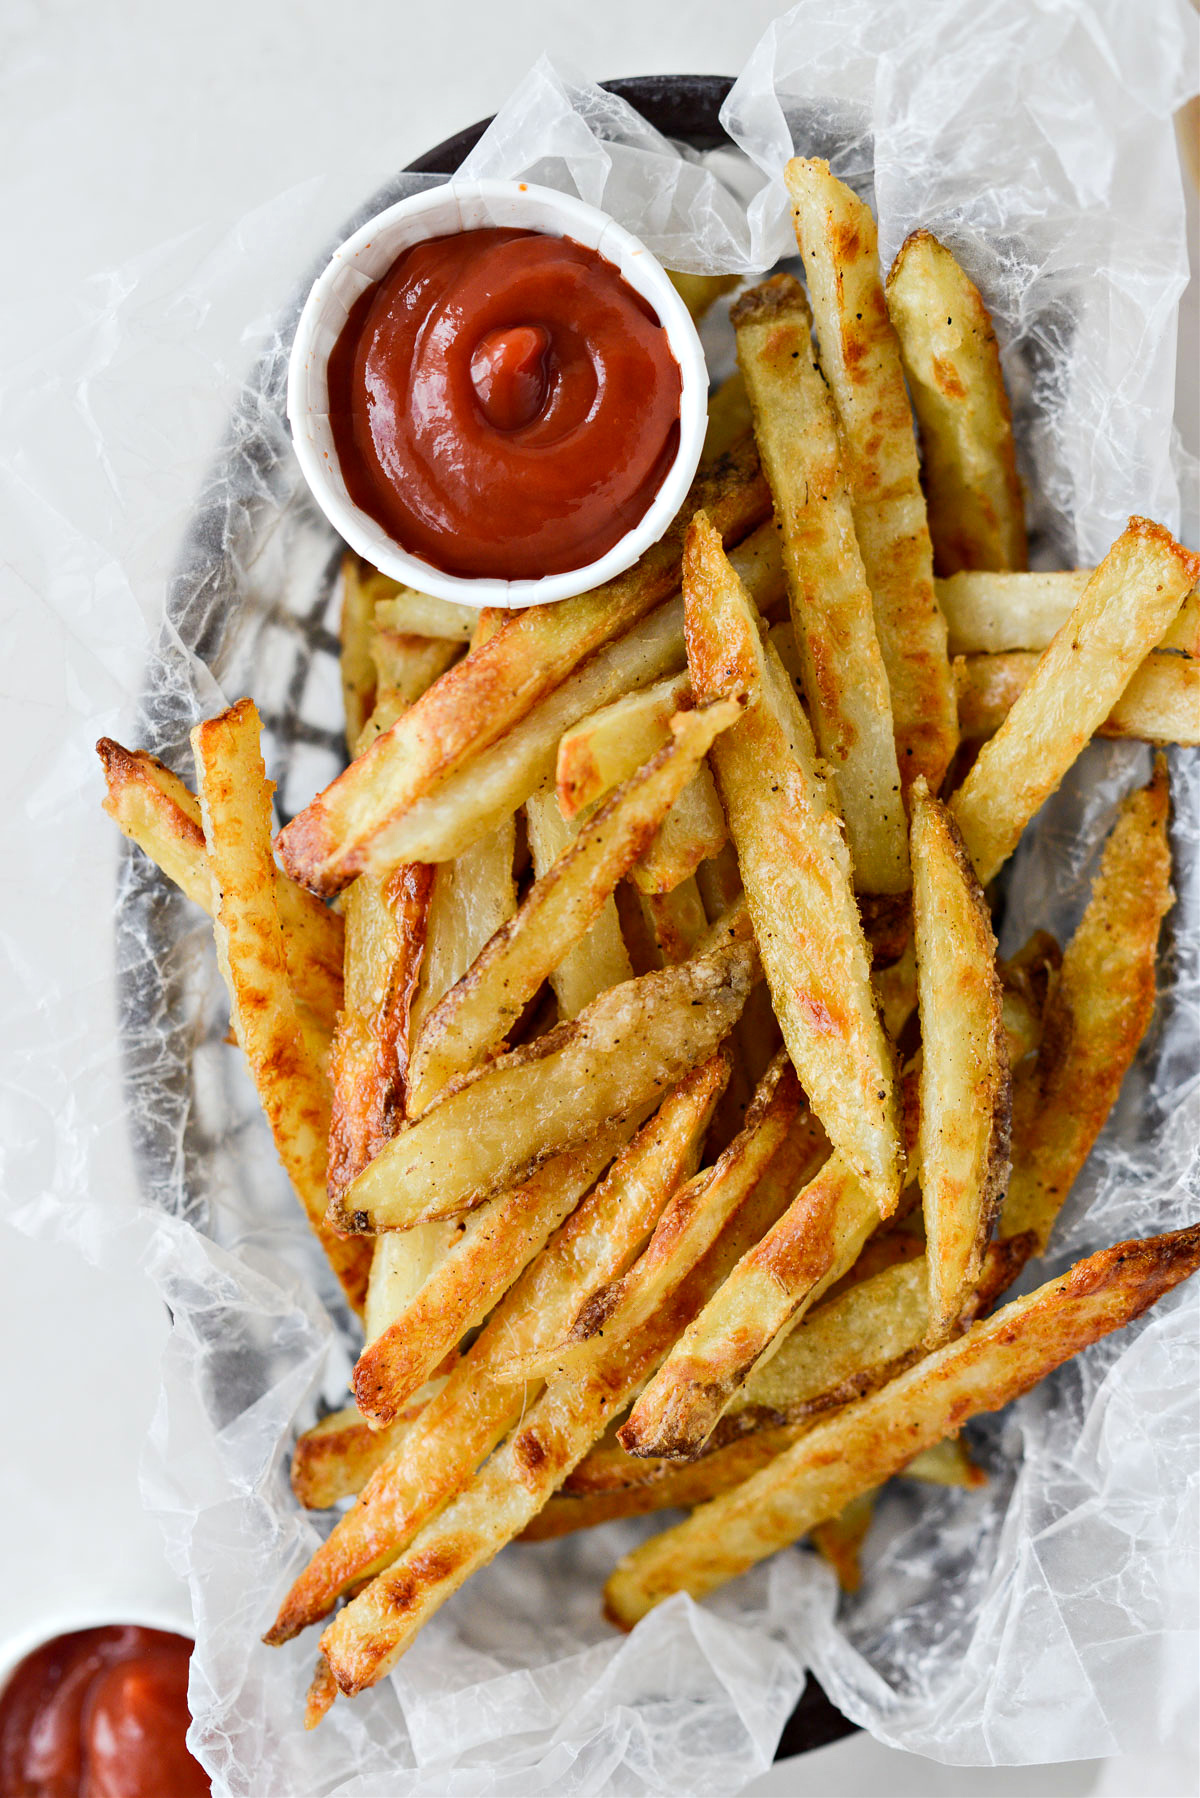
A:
(1051, 1615)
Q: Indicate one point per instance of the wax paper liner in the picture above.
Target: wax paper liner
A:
(1050, 1615)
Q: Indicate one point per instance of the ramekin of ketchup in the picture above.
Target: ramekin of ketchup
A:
(496, 395)
(100, 1713)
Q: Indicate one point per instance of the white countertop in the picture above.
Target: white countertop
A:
(127, 124)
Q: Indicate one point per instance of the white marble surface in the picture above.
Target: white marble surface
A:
(125, 125)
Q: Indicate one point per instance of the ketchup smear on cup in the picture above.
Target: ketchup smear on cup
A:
(101, 1713)
(504, 404)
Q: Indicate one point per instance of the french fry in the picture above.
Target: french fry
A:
(493, 1128)
(840, 1538)
(987, 1367)
(477, 1013)
(946, 1463)
(965, 1086)
(416, 614)
(359, 594)
(1098, 1010)
(463, 1422)
(489, 1250)
(338, 1455)
(155, 810)
(678, 921)
(405, 668)
(367, 1638)
(605, 748)
(991, 613)
(690, 1224)
(796, 872)
(860, 357)
(833, 620)
(350, 828)
(952, 365)
(1123, 612)
(816, 1241)
(1160, 705)
(896, 991)
(728, 416)
(322, 1692)
(473, 896)
(600, 959)
(385, 938)
(235, 800)
(698, 292)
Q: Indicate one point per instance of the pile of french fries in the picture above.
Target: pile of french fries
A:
(652, 1082)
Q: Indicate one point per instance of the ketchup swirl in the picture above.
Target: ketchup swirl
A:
(504, 404)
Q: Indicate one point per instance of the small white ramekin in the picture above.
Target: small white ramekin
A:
(367, 256)
(65, 1620)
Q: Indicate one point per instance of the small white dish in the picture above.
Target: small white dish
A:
(66, 1621)
(366, 257)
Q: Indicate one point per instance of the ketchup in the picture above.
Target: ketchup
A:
(101, 1713)
(504, 404)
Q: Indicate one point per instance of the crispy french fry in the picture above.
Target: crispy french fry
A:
(350, 828)
(796, 872)
(477, 1013)
(385, 938)
(690, 1224)
(605, 748)
(952, 365)
(370, 1634)
(489, 1250)
(405, 667)
(860, 357)
(1160, 705)
(1098, 1010)
(600, 959)
(840, 1538)
(155, 810)
(814, 1243)
(473, 896)
(965, 1086)
(678, 921)
(416, 614)
(1124, 610)
(896, 991)
(833, 620)
(991, 613)
(322, 1692)
(475, 1408)
(498, 1124)
(698, 292)
(359, 594)
(728, 416)
(692, 832)
(235, 800)
(338, 1455)
(946, 1463)
(993, 1363)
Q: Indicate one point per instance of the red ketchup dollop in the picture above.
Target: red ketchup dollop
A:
(504, 404)
(101, 1713)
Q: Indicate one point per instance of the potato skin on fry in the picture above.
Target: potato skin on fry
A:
(965, 1084)
(986, 1368)
(952, 364)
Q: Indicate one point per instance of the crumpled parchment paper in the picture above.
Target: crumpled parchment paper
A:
(1051, 1615)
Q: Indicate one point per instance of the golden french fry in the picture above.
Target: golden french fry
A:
(946, 1463)
(405, 667)
(337, 1457)
(473, 896)
(833, 620)
(991, 613)
(698, 292)
(860, 357)
(728, 416)
(477, 1013)
(1099, 1007)
(817, 1240)
(693, 831)
(385, 938)
(952, 365)
(235, 800)
(495, 1126)
(465, 1420)
(1160, 705)
(350, 828)
(840, 1538)
(965, 1086)
(987, 1367)
(678, 921)
(896, 990)
(322, 1692)
(600, 959)
(359, 594)
(155, 810)
(796, 872)
(1124, 610)
(414, 614)
(605, 748)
